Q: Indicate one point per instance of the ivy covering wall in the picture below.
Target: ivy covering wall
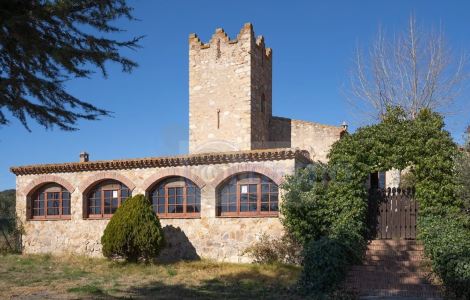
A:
(338, 238)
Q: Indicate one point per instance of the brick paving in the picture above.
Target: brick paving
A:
(392, 269)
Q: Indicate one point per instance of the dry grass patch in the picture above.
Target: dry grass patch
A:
(80, 277)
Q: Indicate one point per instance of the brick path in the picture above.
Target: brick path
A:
(392, 269)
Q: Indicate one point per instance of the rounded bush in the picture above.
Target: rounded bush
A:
(134, 232)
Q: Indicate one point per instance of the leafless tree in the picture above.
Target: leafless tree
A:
(415, 69)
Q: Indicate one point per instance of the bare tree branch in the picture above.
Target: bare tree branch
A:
(415, 70)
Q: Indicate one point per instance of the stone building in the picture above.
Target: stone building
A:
(213, 202)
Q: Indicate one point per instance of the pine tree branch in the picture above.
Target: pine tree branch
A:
(46, 43)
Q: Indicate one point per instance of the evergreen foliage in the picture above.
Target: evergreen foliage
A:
(134, 232)
(463, 173)
(46, 43)
(10, 227)
(7, 212)
(7, 204)
(446, 237)
(305, 207)
(396, 142)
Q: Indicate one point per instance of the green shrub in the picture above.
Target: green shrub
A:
(326, 213)
(10, 226)
(446, 238)
(326, 261)
(134, 232)
(408, 180)
(7, 204)
(283, 250)
(463, 178)
(335, 232)
(305, 206)
(10, 235)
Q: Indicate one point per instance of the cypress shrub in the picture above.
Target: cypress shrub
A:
(134, 232)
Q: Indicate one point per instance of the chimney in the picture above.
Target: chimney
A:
(344, 125)
(84, 157)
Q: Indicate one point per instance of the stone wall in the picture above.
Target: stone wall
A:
(219, 93)
(261, 93)
(280, 132)
(209, 236)
(392, 178)
(227, 79)
(230, 91)
(314, 137)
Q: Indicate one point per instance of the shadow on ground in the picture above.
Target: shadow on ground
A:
(245, 285)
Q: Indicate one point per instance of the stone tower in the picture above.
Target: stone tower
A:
(230, 88)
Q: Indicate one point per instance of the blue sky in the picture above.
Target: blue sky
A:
(313, 44)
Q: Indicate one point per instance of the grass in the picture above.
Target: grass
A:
(88, 289)
(40, 276)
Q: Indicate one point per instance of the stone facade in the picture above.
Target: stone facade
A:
(313, 137)
(392, 178)
(230, 100)
(209, 236)
(231, 131)
(228, 80)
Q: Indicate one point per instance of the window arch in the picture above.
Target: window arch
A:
(248, 194)
(176, 197)
(103, 200)
(50, 201)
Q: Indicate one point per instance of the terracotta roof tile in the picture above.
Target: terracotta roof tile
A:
(170, 161)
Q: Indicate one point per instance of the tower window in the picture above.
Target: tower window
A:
(263, 103)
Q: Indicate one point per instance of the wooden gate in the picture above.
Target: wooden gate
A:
(392, 214)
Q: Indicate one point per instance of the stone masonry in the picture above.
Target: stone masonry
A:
(226, 78)
(209, 236)
(230, 100)
(231, 131)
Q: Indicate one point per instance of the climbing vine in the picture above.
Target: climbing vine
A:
(423, 146)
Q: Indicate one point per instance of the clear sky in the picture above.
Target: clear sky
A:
(313, 44)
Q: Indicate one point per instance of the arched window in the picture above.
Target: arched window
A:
(104, 199)
(176, 197)
(51, 201)
(248, 194)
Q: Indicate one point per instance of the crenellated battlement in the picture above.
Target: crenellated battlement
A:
(246, 35)
(230, 91)
(261, 45)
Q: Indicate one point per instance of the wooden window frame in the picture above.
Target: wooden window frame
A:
(46, 216)
(249, 181)
(102, 191)
(173, 185)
